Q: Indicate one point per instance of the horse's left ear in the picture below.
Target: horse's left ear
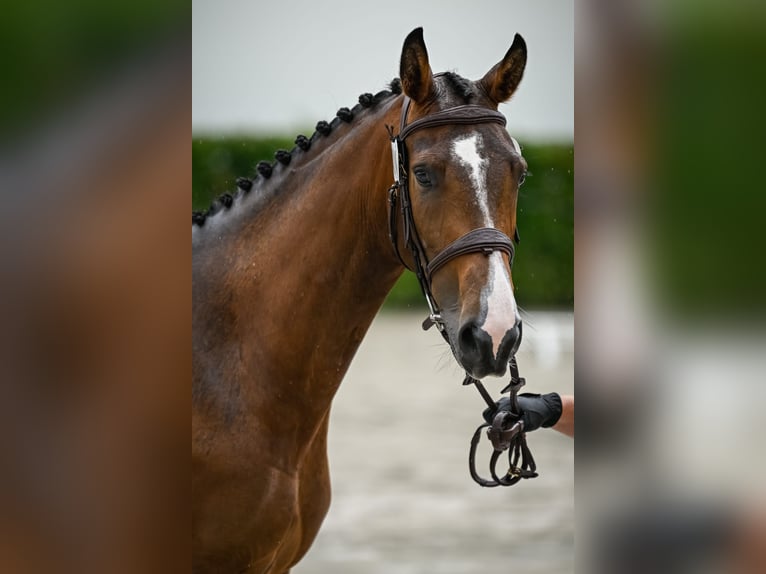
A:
(502, 80)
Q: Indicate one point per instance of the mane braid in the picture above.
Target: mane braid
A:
(323, 128)
(462, 87)
(345, 115)
(303, 142)
(283, 156)
(214, 208)
(244, 183)
(226, 199)
(366, 100)
(380, 96)
(265, 169)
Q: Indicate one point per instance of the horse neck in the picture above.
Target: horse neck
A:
(313, 268)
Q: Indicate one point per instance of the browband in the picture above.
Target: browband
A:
(462, 115)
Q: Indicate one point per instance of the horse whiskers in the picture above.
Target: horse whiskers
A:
(526, 316)
(446, 359)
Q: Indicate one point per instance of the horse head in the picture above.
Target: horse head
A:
(464, 176)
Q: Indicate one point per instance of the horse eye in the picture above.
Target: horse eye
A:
(522, 179)
(422, 176)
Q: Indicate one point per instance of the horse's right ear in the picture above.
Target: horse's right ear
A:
(414, 69)
(503, 79)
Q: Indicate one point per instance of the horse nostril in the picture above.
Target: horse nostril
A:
(468, 339)
(475, 350)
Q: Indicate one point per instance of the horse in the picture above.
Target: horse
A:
(289, 272)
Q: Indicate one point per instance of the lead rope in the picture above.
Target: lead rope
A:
(506, 432)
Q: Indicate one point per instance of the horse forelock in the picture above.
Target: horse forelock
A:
(459, 86)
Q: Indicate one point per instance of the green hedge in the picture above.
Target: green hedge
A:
(544, 265)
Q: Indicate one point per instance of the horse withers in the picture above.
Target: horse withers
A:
(289, 272)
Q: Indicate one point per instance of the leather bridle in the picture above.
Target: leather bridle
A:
(506, 432)
(481, 240)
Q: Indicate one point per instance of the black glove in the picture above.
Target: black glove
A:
(536, 410)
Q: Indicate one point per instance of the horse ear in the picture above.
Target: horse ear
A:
(502, 80)
(414, 69)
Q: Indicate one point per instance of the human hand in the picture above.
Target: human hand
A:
(536, 410)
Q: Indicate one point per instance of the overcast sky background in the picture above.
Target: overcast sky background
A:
(275, 67)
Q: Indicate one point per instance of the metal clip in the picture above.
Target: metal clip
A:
(431, 320)
(434, 317)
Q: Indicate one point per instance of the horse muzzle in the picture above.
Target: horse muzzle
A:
(479, 355)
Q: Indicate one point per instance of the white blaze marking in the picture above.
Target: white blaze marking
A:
(497, 295)
(466, 151)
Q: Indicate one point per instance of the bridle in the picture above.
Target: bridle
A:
(507, 429)
(481, 240)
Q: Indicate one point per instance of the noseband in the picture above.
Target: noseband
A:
(506, 432)
(481, 240)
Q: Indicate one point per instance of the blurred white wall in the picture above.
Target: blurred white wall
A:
(273, 67)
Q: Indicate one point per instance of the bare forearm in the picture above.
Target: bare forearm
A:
(565, 423)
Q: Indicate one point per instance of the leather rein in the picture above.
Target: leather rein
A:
(506, 432)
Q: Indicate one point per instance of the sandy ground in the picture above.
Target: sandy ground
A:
(403, 501)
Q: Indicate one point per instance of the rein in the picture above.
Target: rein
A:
(506, 432)
(507, 429)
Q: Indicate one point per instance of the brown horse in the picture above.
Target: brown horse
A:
(289, 274)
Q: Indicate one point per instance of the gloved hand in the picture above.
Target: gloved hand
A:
(536, 410)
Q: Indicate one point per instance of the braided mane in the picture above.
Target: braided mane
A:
(264, 169)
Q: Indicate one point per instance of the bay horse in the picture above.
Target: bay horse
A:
(289, 273)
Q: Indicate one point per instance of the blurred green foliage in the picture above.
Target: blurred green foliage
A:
(54, 52)
(707, 203)
(544, 265)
